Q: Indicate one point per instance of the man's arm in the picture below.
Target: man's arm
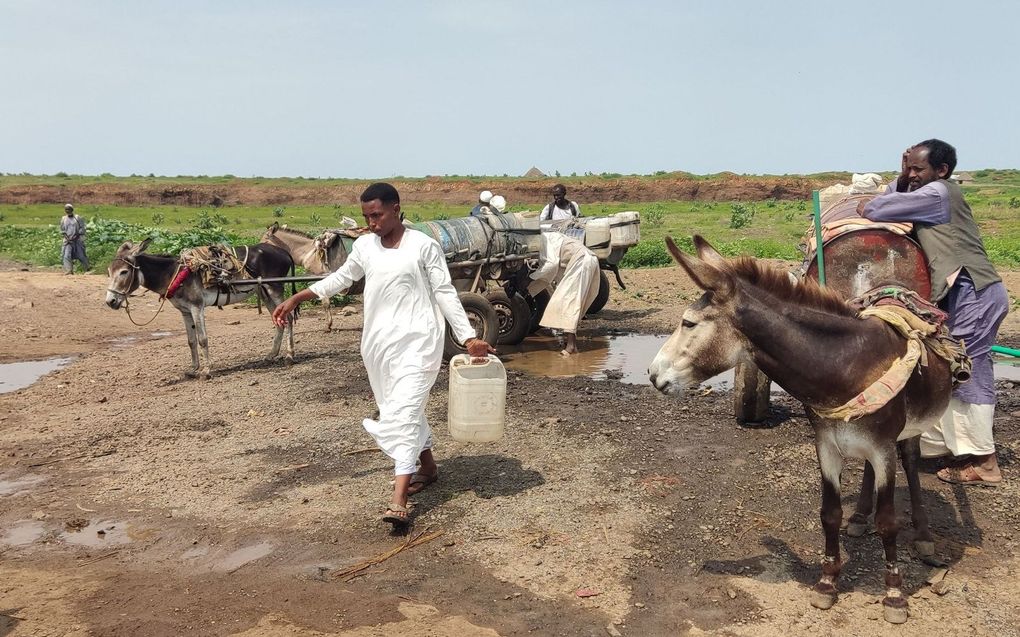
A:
(352, 270)
(546, 214)
(928, 204)
(449, 303)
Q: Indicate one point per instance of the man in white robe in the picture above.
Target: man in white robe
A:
(407, 296)
(571, 272)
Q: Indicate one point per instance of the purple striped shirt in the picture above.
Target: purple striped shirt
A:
(929, 205)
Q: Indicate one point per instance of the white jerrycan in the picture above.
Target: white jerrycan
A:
(477, 408)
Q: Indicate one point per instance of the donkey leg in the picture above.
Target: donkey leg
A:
(858, 524)
(894, 605)
(189, 328)
(831, 464)
(198, 315)
(274, 298)
(910, 454)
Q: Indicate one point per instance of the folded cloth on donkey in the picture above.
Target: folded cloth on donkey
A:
(923, 325)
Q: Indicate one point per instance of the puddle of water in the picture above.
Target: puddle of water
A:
(23, 533)
(100, 533)
(195, 552)
(624, 357)
(17, 486)
(242, 556)
(1006, 368)
(15, 376)
(130, 340)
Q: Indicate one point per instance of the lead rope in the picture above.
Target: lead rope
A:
(162, 301)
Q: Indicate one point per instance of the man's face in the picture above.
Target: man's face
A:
(920, 171)
(559, 196)
(69, 211)
(381, 218)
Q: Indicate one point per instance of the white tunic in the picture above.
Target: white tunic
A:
(407, 295)
(571, 271)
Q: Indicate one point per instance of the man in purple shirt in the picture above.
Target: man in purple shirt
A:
(965, 285)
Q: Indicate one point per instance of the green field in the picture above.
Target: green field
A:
(768, 228)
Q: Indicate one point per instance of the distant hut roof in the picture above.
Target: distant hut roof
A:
(534, 172)
(963, 176)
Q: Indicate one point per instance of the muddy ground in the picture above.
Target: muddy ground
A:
(134, 502)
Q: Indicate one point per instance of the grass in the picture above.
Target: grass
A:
(774, 228)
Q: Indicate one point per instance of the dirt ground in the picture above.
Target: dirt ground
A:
(135, 502)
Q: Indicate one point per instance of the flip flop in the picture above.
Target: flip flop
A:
(965, 475)
(422, 479)
(392, 515)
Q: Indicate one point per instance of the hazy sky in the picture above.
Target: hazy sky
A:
(379, 89)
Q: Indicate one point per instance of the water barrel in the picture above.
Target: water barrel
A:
(860, 260)
(477, 409)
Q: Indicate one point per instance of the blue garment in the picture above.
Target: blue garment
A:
(974, 318)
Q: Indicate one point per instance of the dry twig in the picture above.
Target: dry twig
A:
(411, 542)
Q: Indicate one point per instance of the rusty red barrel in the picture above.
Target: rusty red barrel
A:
(860, 260)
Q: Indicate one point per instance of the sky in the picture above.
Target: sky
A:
(385, 89)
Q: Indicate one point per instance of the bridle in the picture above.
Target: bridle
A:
(135, 269)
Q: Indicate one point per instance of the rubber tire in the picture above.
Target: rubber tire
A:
(514, 316)
(602, 297)
(482, 316)
(541, 301)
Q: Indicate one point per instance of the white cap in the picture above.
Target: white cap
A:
(68, 206)
(498, 202)
(485, 196)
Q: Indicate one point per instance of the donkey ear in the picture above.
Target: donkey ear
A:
(273, 228)
(706, 252)
(127, 246)
(705, 275)
(140, 248)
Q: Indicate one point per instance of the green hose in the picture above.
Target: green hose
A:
(1009, 351)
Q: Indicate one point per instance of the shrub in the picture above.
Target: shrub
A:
(277, 212)
(650, 254)
(654, 215)
(157, 218)
(315, 219)
(741, 215)
(1014, 202)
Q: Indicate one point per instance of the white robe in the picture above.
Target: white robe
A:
(571, 271)
(407, 295)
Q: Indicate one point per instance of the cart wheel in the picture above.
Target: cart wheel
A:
(514, 316)
(750, 393)
(602, 297)
(539, 301)
(483, 318)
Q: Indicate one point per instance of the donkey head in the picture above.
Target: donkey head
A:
(123, 273)
(705, 343)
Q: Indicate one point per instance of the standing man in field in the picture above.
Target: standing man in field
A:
(407, 295)
(72, 229)
(964, 284)
(561, 207)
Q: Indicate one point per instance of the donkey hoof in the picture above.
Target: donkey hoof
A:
(857, 529)
(288, 361)
(924, 548)
(205, 376)
(895, 610)
(822, 600)
(191, 373)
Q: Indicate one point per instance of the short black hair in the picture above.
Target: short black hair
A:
(939, 152)
(382, 191)
(560, 187)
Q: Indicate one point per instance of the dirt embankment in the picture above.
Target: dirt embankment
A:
(247, 192)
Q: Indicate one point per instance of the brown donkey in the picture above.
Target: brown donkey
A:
(810, 342)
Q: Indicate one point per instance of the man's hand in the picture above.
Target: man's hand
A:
(904, 179)
(478, 349)
(282, 312)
